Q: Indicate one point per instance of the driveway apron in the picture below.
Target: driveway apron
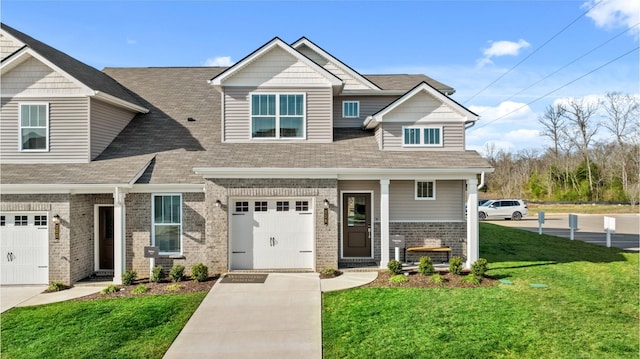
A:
(280, 318)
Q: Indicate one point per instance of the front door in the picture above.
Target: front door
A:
(105, 238)
(356, 225)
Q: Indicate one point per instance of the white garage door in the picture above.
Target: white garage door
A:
(24, 247)
(272, 234)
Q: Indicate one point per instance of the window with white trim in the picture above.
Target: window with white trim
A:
(167, 223)
(350, 109)
(278, 115)
(422, 136)
(34, 127)
(425, 190)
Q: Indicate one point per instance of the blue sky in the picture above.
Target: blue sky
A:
(465, 44)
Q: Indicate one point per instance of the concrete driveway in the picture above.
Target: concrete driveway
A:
(12, 295)
(590, 228)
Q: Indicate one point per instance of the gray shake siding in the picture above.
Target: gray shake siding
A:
(368, 106)
(68, 131)
(237, 113)
(106, 122)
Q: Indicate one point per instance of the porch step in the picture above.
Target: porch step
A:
(104, 273)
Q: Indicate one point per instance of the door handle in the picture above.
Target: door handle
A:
(369, 231)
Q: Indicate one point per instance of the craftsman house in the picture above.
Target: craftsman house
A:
(287, 160)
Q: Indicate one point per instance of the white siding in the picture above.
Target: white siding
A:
(68, 131)
(448, 205)
(368, 106)
(106, 123)
(350, 82)
(422, 107)
(452, 136)
(8, 45)
(277, 68)
(33, 78)
(237, 115)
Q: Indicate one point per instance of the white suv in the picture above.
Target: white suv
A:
(503, 208)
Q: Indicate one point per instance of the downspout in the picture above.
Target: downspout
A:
(469, 124)
(481, 180)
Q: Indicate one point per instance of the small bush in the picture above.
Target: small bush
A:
(140, 289)
(200, 272)
(399, 279)
(437, 278)
(129, 277)
(174, 287)
(177, 273)
(479, 267)
(110, 289)
(395, 267)
(426, 266)
(455, 265)
(157, 274)
(329, 272)
(471, 278)
(56, 287)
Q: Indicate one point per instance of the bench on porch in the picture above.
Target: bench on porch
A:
(431, 249)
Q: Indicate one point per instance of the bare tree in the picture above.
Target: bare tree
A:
(553, 122)
(581, 128)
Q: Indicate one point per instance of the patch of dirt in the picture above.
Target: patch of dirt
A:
(416, 280)
(328, 275)
(186, 286)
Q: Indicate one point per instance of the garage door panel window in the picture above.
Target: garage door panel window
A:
(167, 223)
(20, 221)
(282, 206)
(242, 207)
(40, 220)
(3, 221)
(302, 206)
(261, 206)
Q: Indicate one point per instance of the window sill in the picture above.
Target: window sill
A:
(172, 256)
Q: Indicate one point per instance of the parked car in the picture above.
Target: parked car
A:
(503, 208)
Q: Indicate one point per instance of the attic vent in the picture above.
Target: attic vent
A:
(191, 119)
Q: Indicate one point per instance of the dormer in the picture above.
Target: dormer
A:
(276, 94)
(423, 119)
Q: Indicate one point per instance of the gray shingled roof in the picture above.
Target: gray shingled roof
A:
(91, 77)
(406, 82)
(175, 94)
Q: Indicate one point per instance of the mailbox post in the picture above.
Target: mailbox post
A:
(540, 221)
(609, 227)
(397, 241)
(152, 254)
(573, 224)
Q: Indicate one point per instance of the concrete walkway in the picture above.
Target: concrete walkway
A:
(28, 295)
(280, 318)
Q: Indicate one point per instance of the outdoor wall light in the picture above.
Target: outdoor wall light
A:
(56, 219)
(326, 203)
(218, 203)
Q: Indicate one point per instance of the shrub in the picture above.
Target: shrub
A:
(177, 273)
(110, 289)
(471, 278)
(395, 267)
(455, 265)
(129, 277)
(157, 274)
(200, 272)
(437, 278)
(329, 272)
(426, 266)
(398, 279)
(140, 289)
(479, 267)
(174, 287)
(56, 287)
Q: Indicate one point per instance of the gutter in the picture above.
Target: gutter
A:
(119, 102)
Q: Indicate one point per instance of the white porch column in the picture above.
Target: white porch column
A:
(473, 240)
(119, 235)
(384, 223)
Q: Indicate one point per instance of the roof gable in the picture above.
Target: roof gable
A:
(353, 79)
(423, 88)
(275, 48)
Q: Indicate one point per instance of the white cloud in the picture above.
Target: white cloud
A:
(523, 135)
(502, 48)
(218, 61)
(505, 112)
(615, 13)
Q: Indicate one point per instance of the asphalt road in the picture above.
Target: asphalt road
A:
(590, 228)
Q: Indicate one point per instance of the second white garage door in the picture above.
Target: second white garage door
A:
(25, 248)
(271, 234)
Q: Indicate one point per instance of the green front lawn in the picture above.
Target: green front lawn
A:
(141, 327)
(589, 309)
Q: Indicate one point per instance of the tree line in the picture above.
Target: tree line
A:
(593, 156)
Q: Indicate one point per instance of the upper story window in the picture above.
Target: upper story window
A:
(350, 109)
(422, 136)
(167, 223)
(34, 127)
(425, 190)
(278, 116)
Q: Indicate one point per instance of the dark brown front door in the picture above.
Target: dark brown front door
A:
(105, 229)
(356, 225)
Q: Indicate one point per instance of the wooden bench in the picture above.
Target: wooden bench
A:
(431, 249)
